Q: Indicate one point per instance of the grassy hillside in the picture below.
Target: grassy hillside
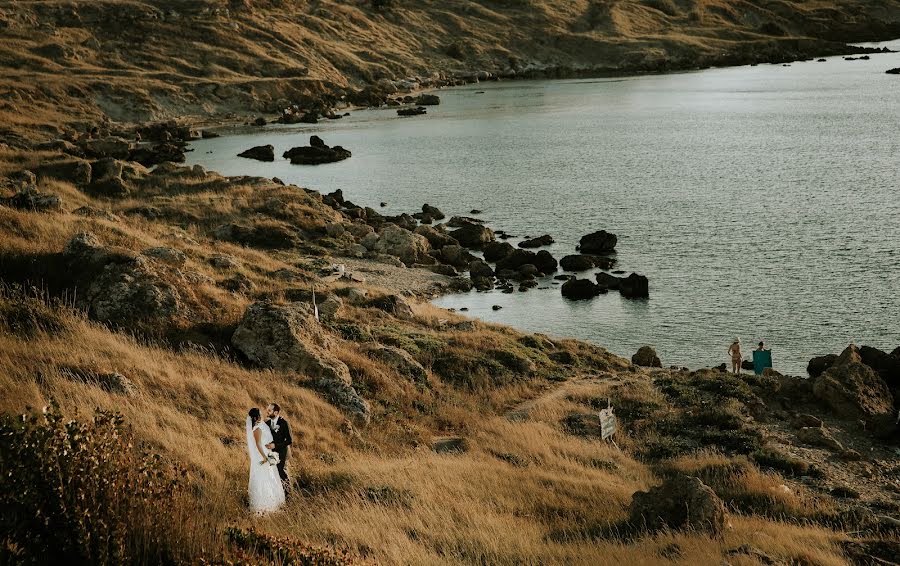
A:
(481, 443)
(139, 60)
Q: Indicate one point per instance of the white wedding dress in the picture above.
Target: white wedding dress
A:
(266, 491)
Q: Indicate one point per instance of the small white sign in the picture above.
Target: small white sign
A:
(607, 423)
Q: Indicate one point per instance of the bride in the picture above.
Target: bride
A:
(266, 491)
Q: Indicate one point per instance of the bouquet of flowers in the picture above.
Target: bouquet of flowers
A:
(273, 458)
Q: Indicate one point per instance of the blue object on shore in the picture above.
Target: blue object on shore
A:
(762, 359)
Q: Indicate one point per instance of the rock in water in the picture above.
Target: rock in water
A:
(259, 153)
(853, 390)
(538, 242)
(289, 338)
(545, 262)
(473, 235)
(428, 100)
(496, 251)
(682, 502)
(579, 289)
(819, 364)
(635, 287)
(576, 262)
(646, 356)
(316, 153)
(601, 242)
(416, 111)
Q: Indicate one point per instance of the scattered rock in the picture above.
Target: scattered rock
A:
(646, 356)
(473, 235)
(480, 268)
(545, 262)
(538, 242)
(805, 420)
(170, 256)
(437, 238)
(580, 289)
(33, 200)
(634, 287)
(819, 364)
(428, 100)
(415, 111)
(853, 390)
(819, 436)
(400, 360)
(316, 154)
(395, 305)
(410, 247)
(682, 502)
(496, 251)
(111, 382)
(516, 259)
(576, 262)
(450, 445)
(259, 153)
(601, 242)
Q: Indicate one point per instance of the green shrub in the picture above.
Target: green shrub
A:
(73, 492)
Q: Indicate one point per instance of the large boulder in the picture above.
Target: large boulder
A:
(646, 356)
(408, 246)
(117, 148)
(287, 337)
(545, 262)
(316, 153)
(819, 364)
(400, 360)
(576, 262)
(495, 251)
(853, 390)
(608, 281)
(682, 502)
(601, 242)
(886, 364)
(124, 289)
(635, 287)
(480, 268)
(517, 259)
(580, 289)
(437, 238)
(259, 153)
(75, 171)
(473, 235)
(456, 255)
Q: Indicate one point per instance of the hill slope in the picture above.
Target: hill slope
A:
(138, 60)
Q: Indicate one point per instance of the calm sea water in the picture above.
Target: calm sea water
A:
(762, 202)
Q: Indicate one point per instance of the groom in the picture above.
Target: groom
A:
(281, 439)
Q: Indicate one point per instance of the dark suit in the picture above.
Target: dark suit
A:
(281, 437)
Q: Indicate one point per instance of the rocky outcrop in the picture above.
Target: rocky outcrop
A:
(266, 235)
(853, 390)
(682, 502)
(456, 256)
(395, 305)
(600, 242)
(473, 235)
(316, 153)
(259, 153)
(124, 289)
(410, 247)
(171, 256)
(287, 337)
(646, 356)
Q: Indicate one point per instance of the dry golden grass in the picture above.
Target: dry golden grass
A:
(525, 490)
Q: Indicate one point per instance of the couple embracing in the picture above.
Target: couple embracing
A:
(267, 445)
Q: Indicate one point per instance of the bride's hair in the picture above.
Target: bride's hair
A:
(254, 415)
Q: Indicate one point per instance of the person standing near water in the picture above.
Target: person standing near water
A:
(735, 351)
